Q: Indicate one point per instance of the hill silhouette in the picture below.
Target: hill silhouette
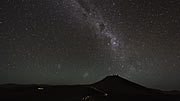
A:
(115, 84)
(111, 88)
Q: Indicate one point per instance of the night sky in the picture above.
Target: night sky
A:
(82, 41)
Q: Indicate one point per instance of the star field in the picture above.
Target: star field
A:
(82, 41)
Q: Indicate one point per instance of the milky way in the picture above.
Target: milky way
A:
(89, 14)
(82, 41)
(94, 18)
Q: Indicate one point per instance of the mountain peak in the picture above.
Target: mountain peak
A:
(115, 79)
(115, 83)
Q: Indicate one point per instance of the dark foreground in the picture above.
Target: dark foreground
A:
(112, 88)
